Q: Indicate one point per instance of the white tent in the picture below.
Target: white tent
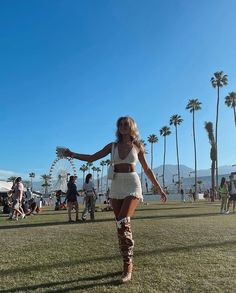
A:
(5, 186)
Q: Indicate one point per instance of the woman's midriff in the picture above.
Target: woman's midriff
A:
(124, 168)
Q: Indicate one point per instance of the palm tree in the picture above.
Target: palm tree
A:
(194, 105)
(152, 139)
(108, 163)
(11, 179)
(230, 101)
(89, 165)
(199, 182)
(31, 175)
(102, 163)
(83, 168)
(218, 80)
(164, 131)
(46, 184)
(210, 132)
(176, 120)
(98, 170)
(141, 173)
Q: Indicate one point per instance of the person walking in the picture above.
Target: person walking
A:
(71, 198)
(90, 198)
(224, 195)
(17, 199)
(182, 195)
(232, 193)
(126, 190)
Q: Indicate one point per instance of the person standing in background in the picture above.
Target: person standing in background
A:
(71, 198)
(90, 198)
(182, 195)
(17, 199)
(224, 195)
(232, 193)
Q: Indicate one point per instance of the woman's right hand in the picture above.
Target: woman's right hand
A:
(163, 195)
(63, 152)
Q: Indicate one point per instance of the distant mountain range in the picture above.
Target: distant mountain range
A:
(170, 175)
(187, 172)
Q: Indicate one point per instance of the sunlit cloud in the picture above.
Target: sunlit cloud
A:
(5, 174)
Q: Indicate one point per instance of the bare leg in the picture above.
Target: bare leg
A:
(124, 207)
(76, 211)
(69, 204)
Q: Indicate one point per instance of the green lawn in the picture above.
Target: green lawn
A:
(178, 248)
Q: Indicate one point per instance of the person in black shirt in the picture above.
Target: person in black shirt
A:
(71, 198)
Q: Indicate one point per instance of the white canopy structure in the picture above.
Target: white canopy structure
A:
(5, 186)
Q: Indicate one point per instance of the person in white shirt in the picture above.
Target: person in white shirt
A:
(28, 194)
(17, 199)
(90, 198)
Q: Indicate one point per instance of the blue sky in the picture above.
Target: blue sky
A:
(69, 69)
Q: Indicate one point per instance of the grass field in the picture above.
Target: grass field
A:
(178, 248)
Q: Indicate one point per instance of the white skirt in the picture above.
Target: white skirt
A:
(126, 184)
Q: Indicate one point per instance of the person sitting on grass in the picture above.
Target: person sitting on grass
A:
(33, 210)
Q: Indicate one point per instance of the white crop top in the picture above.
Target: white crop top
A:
(131, 158)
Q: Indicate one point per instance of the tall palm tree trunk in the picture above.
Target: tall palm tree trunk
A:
(151, 155)
(216, 135)
(107, 178)
(195, 155)
(164, 162)
(213, 180)
(234, 116)
(102, 178)
(177, 154)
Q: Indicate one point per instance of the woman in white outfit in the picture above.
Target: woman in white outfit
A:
(126, 188)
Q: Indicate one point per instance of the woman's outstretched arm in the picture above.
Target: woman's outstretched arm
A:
(88, 158)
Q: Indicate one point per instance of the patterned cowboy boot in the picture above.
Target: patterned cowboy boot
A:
(126, 245)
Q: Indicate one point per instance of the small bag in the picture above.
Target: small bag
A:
(110, 171)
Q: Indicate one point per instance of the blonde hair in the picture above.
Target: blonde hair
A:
(134, 133)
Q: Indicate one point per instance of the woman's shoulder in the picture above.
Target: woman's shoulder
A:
(109, 145)
(138, 147)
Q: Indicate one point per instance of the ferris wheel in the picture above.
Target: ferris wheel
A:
(60, 170)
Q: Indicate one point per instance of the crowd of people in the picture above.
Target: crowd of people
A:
(19, 204)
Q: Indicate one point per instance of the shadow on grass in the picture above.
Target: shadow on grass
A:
(167, 208)
(176, 216)
(28, 225)
(46, 286)
(19, 224)
(78, 262)
(53, 213)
